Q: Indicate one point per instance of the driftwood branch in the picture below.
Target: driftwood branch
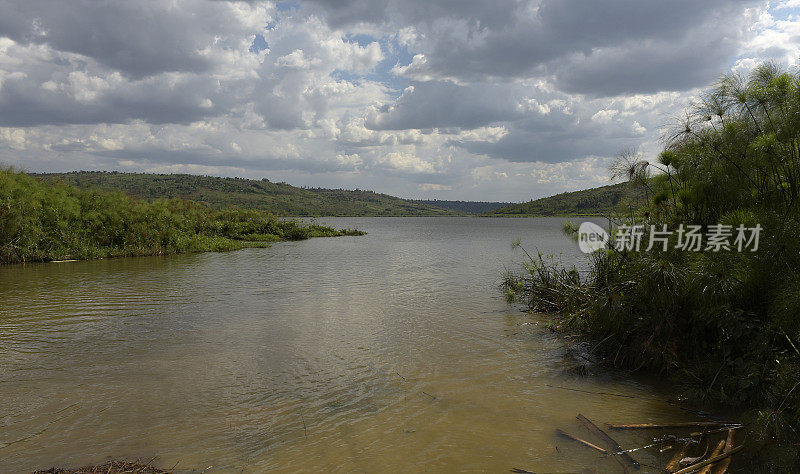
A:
(716, 452)
(675, 462)
(564, 434)
(619, 455)
(710, 460)
(722, 466)
(647, 426)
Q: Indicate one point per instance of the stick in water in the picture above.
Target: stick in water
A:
(722, 466)
(710, 460)
(623, 458)
(645, 426)
(564, 434)
(675, 462)
(716, 452)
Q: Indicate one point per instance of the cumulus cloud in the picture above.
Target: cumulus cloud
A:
(408, 162)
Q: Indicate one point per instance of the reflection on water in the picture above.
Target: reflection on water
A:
(392, 351)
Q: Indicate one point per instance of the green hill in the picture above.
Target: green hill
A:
(278, 198)
(589, 202)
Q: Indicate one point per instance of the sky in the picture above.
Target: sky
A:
(501, 100)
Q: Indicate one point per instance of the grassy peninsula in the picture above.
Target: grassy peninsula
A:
(46, 219)
(724, 324)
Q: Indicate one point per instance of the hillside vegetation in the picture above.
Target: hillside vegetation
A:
(605, 200)
(280, 199)
(44, 220)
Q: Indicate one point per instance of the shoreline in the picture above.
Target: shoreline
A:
(235, 245)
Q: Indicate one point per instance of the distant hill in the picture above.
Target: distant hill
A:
(279, 198)
(468, 207)
(589, 202)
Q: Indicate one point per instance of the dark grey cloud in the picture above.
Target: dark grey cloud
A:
(549, 146)
(473, 43)
(646, 67)
(539, 126)
(444, 104)
(557, 137)
(26, 102)
(479, 14)
(139, 38)
(581, 25)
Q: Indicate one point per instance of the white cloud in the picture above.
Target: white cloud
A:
(531, 104)
(434, 187)
(787, 4)
(407, 161)
(296, 60)
(605, 116)
(483, 134)
(352, 160)
(13, 138)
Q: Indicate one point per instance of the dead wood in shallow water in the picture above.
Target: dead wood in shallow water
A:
(716, 452)
(564, 434)
(648, 426)
(722, 466)
(622, 457)
(710, 460)
(675, 462)
(692, 460)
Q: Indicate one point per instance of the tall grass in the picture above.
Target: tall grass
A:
(44, 220)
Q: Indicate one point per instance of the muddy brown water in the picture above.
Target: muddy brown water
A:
(394, 351)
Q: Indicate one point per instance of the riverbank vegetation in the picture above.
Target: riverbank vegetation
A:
(724, 324)
(43, 220)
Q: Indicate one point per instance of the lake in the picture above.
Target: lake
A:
(394, 351)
